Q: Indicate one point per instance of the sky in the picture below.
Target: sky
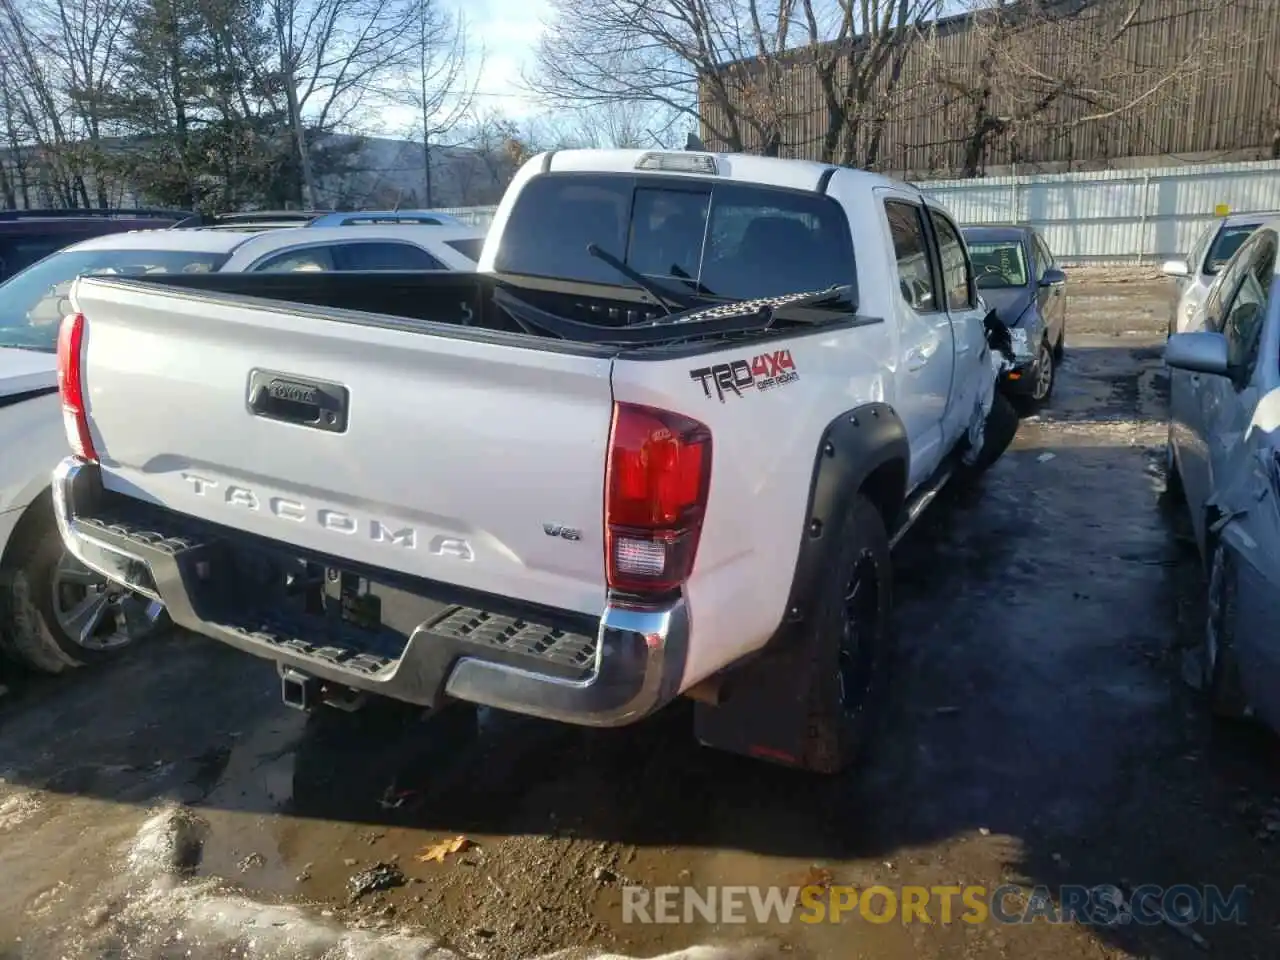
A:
(508, 31)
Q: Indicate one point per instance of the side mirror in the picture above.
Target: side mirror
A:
(1175, 268)
(1053, 277)
(1199, 352)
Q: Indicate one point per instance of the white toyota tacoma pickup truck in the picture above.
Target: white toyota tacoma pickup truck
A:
(660, 444)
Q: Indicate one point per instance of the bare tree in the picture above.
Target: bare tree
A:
(624, 124)
(34, 94)
(502, 143)
(443, 80)
(86, 43)
(860, 71)
(727, 64)
(14, 178)
(657, 54)
(335, 57)
(1045, 71)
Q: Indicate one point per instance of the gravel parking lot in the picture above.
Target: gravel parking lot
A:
(170, 806)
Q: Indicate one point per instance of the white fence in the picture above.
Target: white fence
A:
(476, 216)
(1115, 216)
(1108, 216)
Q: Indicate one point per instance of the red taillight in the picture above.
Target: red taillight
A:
(655, 497)
(71, 386)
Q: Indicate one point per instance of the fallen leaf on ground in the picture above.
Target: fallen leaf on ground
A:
(438, 851)
(817, 876)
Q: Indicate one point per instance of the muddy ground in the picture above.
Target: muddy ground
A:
(170, 806)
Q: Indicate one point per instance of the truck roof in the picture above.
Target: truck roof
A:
(742, 167)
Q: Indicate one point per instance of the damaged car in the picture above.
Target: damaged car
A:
(1017, 277)
(1224, 459)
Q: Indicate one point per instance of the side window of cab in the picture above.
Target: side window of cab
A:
(916, 281)
(957, 276)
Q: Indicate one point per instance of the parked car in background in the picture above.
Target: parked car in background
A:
(55, 613)
(1224, 458)
(30, 235)
(1196, 272)
(1017, 277)
(368, 246)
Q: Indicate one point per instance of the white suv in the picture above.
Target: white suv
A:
(54, 613)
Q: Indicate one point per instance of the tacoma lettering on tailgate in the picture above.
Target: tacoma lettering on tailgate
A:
(336, 521)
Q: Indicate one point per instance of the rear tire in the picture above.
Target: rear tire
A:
(849, 643)
(60, 614)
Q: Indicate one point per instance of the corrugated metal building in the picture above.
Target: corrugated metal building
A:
(1115, 216)
(1187, 80)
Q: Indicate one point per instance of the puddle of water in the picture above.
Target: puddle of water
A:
(149, 906)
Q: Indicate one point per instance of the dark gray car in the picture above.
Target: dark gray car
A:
(1017, 277)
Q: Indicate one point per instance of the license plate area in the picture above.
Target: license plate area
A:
(352, 599)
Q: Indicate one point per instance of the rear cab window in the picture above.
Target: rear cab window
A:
(719, 238)
(916, 280)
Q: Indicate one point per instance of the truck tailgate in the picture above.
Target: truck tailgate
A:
(473, 463)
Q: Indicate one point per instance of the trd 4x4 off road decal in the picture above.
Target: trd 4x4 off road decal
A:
(763, 372)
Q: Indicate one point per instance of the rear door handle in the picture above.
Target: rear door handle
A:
(287, 398)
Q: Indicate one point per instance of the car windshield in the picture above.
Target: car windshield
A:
(33, 302)
(733, 240)
(999, 264)
(1227, 243)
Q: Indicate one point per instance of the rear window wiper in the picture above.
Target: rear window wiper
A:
(665, 298)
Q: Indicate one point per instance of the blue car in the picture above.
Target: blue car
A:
(1016, 276)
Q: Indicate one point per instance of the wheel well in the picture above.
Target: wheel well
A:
(886, 488)
(28, 524)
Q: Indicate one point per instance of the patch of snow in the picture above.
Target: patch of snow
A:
(17, 808)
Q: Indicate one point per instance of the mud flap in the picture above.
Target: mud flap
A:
(763, 711)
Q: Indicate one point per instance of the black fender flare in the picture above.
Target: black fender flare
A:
(761, 709)
(853, 446)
